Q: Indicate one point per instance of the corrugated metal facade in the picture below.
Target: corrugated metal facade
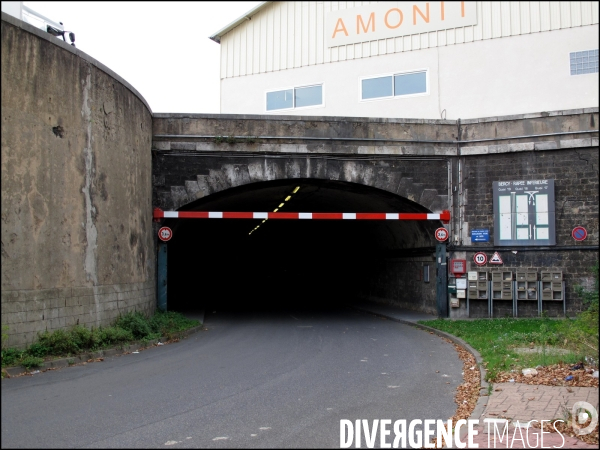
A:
(286, 35)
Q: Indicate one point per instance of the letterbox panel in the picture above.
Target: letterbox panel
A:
(546, 276)
(532, 276)
(458, 266)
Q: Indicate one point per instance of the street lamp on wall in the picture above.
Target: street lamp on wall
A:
(56, 32)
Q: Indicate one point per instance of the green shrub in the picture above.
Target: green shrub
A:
(167, 322)
(113, 335)
(59, 342)
(38, 349)
(11, 356)
(136, 323)
(31, 362)
(77, 339)
(581, 333)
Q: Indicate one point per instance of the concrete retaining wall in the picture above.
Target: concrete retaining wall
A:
(76, 188)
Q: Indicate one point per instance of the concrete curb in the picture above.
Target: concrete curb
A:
(483, 390)
(86, 356)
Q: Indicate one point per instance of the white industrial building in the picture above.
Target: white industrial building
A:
(427, 60)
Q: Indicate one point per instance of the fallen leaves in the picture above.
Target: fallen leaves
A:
(467, 393)
(553, 375)
(566, 428)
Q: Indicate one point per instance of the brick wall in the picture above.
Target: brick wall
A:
(575, 174)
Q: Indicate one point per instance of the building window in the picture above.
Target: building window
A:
(298, 97)
(395, 85)
(584, 62)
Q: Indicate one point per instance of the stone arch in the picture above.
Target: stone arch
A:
(423, 182)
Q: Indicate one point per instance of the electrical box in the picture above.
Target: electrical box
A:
(458, 266)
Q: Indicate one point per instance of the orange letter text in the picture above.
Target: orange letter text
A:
(400, 18)
(339, 26)
(417, 10)
(360, 23)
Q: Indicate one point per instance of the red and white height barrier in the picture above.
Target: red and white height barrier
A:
(444, 216)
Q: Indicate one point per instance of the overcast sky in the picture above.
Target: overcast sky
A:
(161, 48)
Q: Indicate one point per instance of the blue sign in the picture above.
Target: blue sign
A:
(482, 235)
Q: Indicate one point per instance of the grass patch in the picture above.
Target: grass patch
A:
(78, 339)
(496, 340)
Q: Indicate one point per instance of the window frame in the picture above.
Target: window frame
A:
(573, 55)
(294, 107)
(393, 74)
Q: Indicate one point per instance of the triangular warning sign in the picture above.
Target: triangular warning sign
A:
(496, 259)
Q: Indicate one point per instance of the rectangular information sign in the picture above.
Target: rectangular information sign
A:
(481, 235)
(524, 212)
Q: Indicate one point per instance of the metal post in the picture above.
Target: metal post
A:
(162, 277)
(441, 280)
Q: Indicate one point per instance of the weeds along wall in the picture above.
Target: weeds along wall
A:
(76, 189)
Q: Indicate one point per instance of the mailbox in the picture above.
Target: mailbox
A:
(458, 266)
(451, 289)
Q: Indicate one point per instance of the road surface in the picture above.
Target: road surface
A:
(281, 379)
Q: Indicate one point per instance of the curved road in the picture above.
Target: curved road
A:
(281, 379)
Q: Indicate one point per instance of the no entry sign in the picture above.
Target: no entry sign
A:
(579, 233)
(480, 259)
(165, 234)
(441, 234)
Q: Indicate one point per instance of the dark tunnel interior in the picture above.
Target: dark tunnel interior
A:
(228, 264)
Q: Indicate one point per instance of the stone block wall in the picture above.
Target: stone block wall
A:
(31, 311)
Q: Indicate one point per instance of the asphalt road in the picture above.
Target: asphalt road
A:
(282, 379)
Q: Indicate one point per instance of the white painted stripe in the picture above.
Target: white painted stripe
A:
(304, 215)
(433, 216)
(260, 215)
(349, 216)
(215, 215)
(391, 216)
(171, 214)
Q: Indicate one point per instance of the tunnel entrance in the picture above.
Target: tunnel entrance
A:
(258, 264)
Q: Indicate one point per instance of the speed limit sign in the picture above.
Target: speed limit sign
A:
(480, 259)
(165, 233)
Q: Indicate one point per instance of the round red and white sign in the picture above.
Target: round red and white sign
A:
(165, 233)
(441, 234)
(480, 259)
